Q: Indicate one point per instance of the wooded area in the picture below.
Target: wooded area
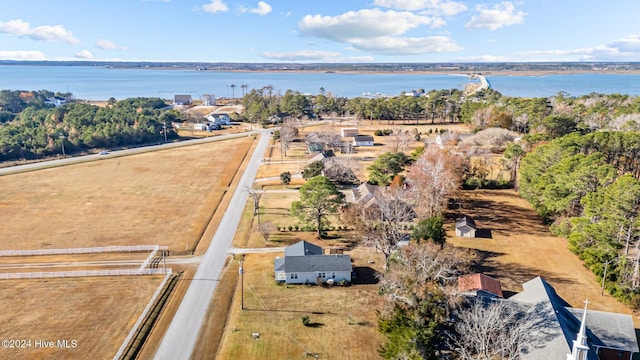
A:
(32, 127)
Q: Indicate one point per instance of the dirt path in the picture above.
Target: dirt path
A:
(519, 247)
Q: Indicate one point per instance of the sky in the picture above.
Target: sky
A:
(385, 31)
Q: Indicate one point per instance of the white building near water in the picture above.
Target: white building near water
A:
(219, 119)
(208, 100)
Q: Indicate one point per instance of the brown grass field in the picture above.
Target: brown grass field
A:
(96, 312)
(164, 197)
(520, 247)
(342, 317)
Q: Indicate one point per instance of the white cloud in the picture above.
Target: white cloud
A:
(21, 55)
(387, 45)
(215, 6)
(378, 31)
(631, 43)
(361, 24)
(503, 14)
(109, 45)
(314, 56)
(262, 9)
(84, 54)
(302, 55)
(486, 58)
(438, 7)
(46, 32)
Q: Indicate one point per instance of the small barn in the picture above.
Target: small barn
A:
(349, 132)
(479, 282)
(363, 140)
(466, 227)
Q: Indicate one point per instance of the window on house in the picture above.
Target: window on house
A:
(294, 276)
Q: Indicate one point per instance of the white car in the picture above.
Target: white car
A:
(104, 152)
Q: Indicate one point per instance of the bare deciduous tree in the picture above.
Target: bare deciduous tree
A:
(416, 268)
(287, 133)
(434, 178)
(329, 139)
(380, 224)
(266, 229)
(492, 329)
(400, 140)
(338, 170)
(255, 195)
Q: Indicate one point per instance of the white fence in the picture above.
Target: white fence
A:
(81, 273)
(150, 257)
(90, 250)
(142, 316)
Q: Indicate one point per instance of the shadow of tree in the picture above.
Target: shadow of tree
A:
(516, 273)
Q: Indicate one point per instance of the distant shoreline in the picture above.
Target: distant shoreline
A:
(445, 68)
(406, 72)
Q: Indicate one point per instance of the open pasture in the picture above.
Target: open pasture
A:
(163, 197)
(96, 312)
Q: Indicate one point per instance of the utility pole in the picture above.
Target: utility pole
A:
(164, 131)
(241, 271)
(62, 137)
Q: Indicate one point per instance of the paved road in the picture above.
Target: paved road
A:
(182, 334)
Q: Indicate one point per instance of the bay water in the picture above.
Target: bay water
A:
(102, 83)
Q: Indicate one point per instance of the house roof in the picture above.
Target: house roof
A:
(474, 282)
(557, 324)
(302, 248)
(323, 155)
(465, 221)
(358, 138)
(311, 263)
(364, 193)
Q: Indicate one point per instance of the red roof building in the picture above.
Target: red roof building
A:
(476, 282)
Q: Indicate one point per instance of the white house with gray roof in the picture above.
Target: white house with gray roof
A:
(305, 263)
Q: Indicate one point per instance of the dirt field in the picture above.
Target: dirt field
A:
(96, 312)
(163, 197)
(519, 247)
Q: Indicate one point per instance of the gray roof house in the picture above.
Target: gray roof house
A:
(305, 263)
(565, 333)
(363, 140)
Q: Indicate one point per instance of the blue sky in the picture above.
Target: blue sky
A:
(321, 30)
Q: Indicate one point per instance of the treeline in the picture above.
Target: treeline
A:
(35, 128)
(588, 187)
(433, 106)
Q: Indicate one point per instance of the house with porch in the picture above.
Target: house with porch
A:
(219, 119)
(305, 263)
